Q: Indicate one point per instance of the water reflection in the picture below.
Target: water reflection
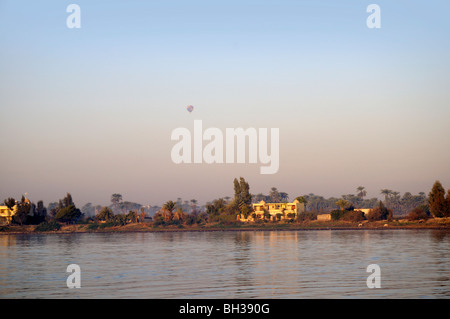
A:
(242, 258)
(265, 264)
(439, 235)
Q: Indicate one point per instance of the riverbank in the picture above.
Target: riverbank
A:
(433, 223)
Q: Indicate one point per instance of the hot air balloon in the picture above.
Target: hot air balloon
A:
(190, 108)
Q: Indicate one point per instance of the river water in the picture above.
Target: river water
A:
(243, 264)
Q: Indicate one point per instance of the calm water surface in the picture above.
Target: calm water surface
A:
(283, 264)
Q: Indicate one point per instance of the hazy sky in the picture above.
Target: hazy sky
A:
(90, 111)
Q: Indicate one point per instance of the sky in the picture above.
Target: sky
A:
(90, 110)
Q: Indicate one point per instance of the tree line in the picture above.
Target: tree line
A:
(225, 210)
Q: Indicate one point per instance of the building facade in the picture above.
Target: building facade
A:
(6, 214)
(366, 211)
(273, 211)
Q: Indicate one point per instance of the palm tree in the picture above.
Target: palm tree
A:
(186, 205)
(361, 191)
(179, 215)
(395, 200)
(194, 204)
(386, 193)
(167, 210)
(342, 203)
(302, 199)
(284, 197)
(274, 195)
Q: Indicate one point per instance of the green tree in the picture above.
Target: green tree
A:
(142, 215)
(447, 204)
(342, 203)
(23, 210)
(68, 201)
(53, 209)
(242, 196)
(132, 216)
(119, 220)
(115, 200)
(68, 214)
(41, 212)
(380, 212)
(436, 200)
(105, 214)
(216, 208)
(10, 202)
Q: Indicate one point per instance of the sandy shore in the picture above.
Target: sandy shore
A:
(434, 223)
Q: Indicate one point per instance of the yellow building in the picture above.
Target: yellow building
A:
(274, 211)
(366, 211)
(324, 217)
(7, 214)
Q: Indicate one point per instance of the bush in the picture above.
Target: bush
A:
(354, 216)
(306, 216)
(83, 221)
(373, 215)
(107, 224)
(245, 211)
(92, 226)
(228, 220)
(417, 214)
(379, 213)
(337, 214)
(119, 220)
(158, 221)
(48, 226)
